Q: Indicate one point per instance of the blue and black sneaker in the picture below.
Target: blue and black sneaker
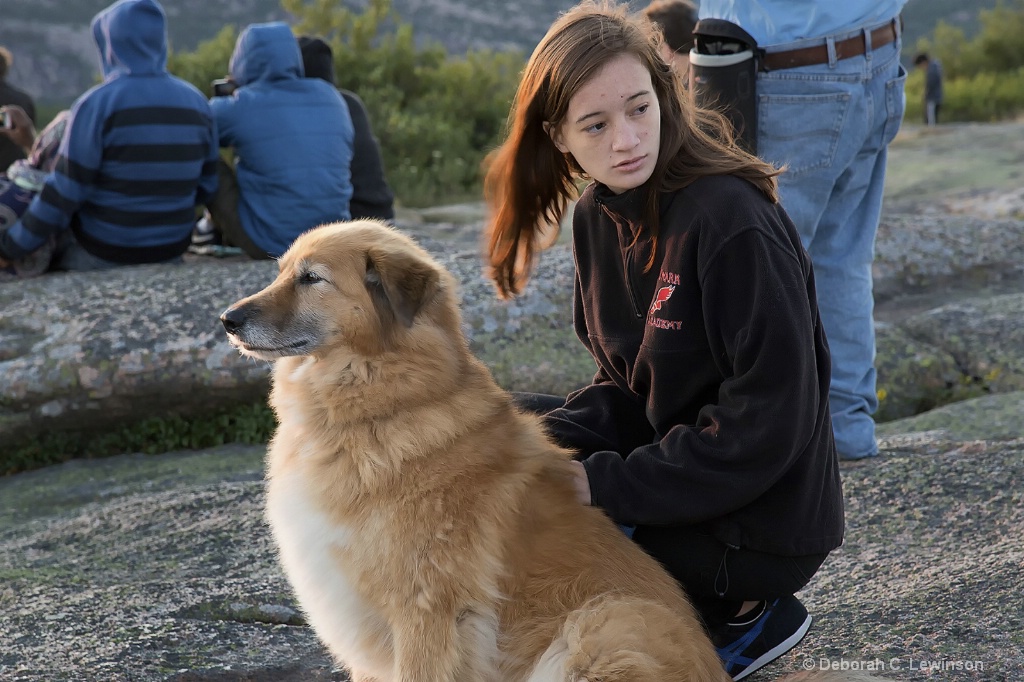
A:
(750, 646)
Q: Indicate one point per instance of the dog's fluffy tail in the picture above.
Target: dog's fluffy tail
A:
(619, 639)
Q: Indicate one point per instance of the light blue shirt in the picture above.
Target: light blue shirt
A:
(778, 22)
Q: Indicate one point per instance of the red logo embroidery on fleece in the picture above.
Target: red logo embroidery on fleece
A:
(663, 295)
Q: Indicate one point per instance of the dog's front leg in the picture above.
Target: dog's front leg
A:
(427, 650)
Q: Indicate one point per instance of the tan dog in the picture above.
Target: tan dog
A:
(429, 529)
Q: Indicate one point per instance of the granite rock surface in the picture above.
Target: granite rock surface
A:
(138, 568)
(92, 350)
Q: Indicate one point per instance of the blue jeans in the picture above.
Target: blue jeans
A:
(71, 256)
(831, 124)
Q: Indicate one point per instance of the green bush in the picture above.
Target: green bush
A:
(207, 63)
(436, 116)
(983, 97)
(984, 76)
(998, 47)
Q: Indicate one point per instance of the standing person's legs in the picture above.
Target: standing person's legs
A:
(842, 253)
(831, 126)
(931, 113)
(223, 208)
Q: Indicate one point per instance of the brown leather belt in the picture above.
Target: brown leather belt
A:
(818, 54)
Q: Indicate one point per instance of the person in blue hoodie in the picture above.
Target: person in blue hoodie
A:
(138, 154)
(292, 139)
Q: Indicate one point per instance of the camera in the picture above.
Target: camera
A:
(223, 87)
(7, 122)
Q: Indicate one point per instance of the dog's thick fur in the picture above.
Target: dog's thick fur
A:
(429, 529)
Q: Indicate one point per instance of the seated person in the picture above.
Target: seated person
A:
(136, 157)
(24, 179)
(371, 195)
(10, 149)
(292, 140)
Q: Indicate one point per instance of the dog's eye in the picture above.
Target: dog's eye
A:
(310, 277)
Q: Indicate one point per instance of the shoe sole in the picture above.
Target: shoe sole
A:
(776, 651)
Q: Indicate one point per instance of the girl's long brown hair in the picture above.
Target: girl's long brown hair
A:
(528, 183)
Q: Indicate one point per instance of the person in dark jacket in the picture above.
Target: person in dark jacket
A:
(11, 151)
(371, 195)
(932, 86)
(138, 154)
(705, 432)
(292, 140)
(676, 20)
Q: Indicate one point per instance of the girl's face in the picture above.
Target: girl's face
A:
(613, 125)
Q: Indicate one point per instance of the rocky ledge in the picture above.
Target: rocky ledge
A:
(94, 350)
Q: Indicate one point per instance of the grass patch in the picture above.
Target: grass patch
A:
(249, 424)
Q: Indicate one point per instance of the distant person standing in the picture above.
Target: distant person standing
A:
(932, 87)
(675, 19)
(9, 150)
(371, 195)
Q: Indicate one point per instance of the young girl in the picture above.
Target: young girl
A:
(706, 431)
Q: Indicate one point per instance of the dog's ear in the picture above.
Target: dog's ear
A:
(400, 283)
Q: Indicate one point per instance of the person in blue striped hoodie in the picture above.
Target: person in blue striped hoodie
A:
(139, 153)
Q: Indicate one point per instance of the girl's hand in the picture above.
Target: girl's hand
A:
(581, 483)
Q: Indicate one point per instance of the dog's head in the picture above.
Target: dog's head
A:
(360, 286)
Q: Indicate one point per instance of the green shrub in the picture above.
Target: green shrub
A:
(984, 97)
(998, 47)
(983, 76)
(208, 62)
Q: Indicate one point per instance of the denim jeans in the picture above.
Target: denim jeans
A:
(71, 256)
(830, 125)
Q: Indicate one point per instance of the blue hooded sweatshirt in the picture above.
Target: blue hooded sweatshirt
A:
(292, 138)
(139, 152)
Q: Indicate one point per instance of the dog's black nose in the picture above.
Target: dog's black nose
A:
(233, 319)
